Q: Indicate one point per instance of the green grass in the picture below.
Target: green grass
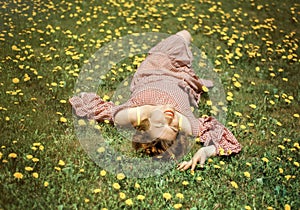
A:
(252, 42)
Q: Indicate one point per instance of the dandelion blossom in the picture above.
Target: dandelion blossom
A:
(185, 183)
(180, 195)
(18, 175)
(61, 163)
(102, 173)
(247, 174)
(122, 195)
(140, 197)
(96, 190)
(120, 176)
(35, 175)
(177, 206)
(15, 80)
(116, 186)
(167, 196)
(12, 155)
(287, 207)
(234, 184)
(129, 202)
(137, 185)
(265, 159)
(63, 119)
(27, 168)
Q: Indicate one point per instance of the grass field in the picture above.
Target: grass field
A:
(254, 47)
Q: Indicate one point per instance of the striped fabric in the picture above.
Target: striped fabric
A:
(165, 77)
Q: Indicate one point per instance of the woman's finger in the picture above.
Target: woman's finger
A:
(184, 165)
(188, 165)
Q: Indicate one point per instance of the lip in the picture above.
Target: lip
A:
(169, 113)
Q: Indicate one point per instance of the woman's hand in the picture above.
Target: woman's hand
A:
(200, 156)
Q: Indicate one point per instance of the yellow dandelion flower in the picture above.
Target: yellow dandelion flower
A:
(15, 48)
(116, 186)
(297, 145)
(86, 200)
(81, 122)
(180, 195)
(120, 176)
(229, 98)
(238, 114)
(137, 185)
(185, 183)
(296, 115)
(106, 98)
(129, 202)
(296, 163)
(199, 178)
(287, 177)
(287, 207)
(122, 195)
(253, 106)
(101, 149)
(63, 119)
(12, 155)
(247, 208)
(221, 151)
(167, 196)
(96, 190)
(46, 184)
(217, 166)
(177, 206)
(61, 163)
(234, 184)
(102, 173)
(265, 159)
(237, 84)
(243, 127)
(15, 80)
(35, 175)
(29, 157)
(280, 170)
(209, 102)
(18, 175)
(28, 168)
(247, 174)
(205, 89)
(57, 168)
(140, 197)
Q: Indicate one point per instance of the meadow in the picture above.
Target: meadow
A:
(253, 46)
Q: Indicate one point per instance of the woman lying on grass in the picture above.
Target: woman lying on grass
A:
(163, 90)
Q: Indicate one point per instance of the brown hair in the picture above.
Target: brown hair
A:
(159, 148)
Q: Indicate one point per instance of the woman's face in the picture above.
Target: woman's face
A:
(163, 123)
